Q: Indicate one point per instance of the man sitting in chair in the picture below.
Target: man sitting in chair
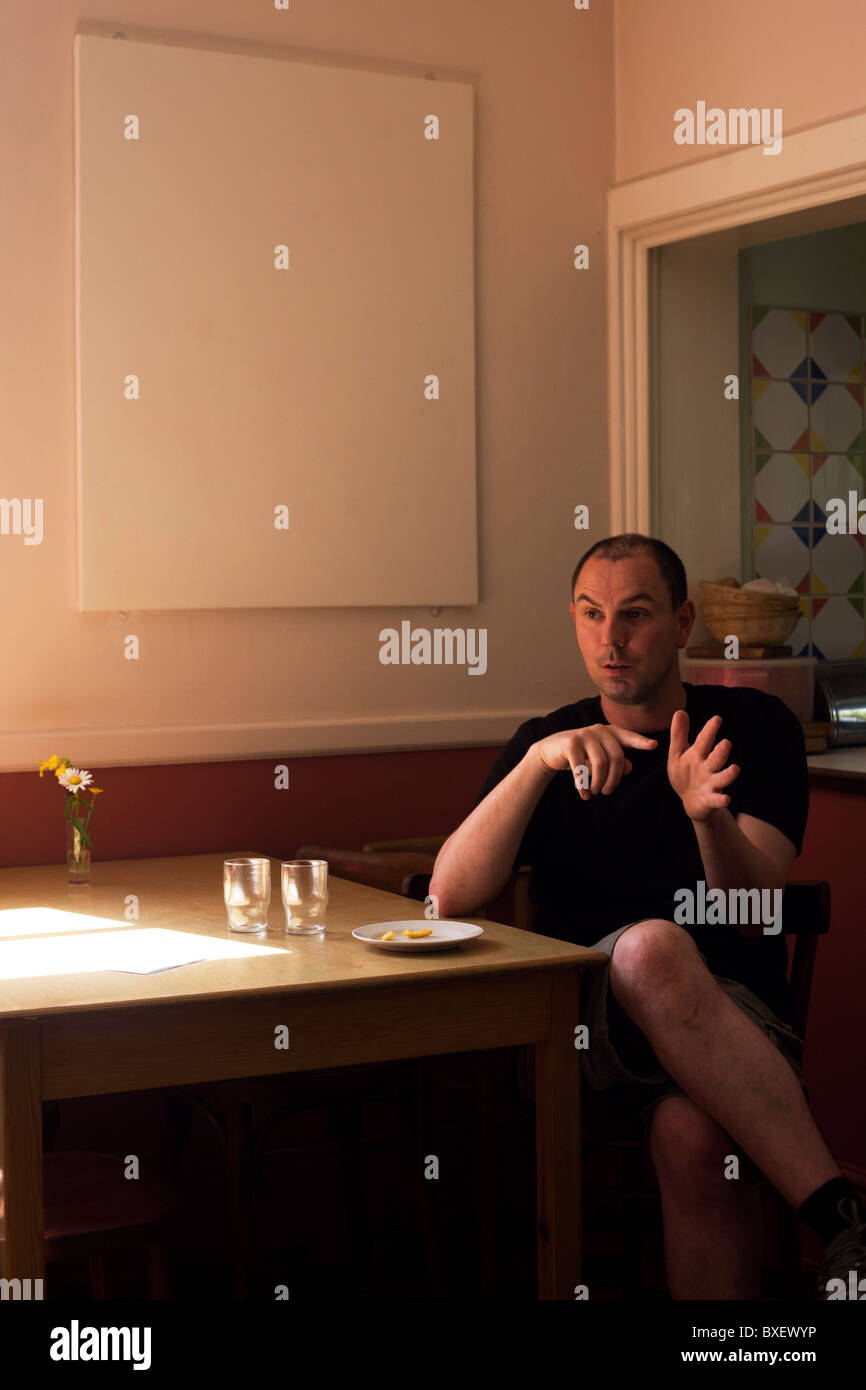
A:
(620, 802)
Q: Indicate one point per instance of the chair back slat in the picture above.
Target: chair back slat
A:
(806, 908)
(805, 915)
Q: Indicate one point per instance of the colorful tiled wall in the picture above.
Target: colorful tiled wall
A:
(808, 443)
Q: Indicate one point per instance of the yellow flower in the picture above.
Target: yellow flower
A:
(95, 790)
(48, 764)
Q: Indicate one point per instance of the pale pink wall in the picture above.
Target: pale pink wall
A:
(544, 160)
(804, 57)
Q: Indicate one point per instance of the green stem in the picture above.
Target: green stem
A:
(70, 811)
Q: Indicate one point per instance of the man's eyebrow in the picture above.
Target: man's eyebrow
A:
(585, 598)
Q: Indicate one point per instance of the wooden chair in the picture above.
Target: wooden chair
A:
(243, 1117)
(388, 870)
(420, 844)
(92, 1211)
(805, 917)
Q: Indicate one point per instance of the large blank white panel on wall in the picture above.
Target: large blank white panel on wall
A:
(221, 380)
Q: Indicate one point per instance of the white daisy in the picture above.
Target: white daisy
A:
(74, 779)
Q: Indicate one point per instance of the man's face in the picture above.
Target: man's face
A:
(626, 629)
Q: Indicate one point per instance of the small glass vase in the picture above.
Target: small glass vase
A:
(77, 855)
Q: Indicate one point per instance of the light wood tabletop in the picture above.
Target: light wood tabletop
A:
(91, 1032)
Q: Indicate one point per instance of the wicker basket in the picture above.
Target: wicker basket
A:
(764, 619)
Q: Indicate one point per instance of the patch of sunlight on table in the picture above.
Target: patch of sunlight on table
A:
(42, 921)
(140, 951)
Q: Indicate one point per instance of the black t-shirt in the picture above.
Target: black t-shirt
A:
(599, 864)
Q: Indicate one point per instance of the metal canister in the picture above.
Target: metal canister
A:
(840, 700)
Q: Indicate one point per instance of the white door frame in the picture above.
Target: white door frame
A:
(823, 164)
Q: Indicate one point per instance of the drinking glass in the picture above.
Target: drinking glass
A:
(247, 893)
(305, 894)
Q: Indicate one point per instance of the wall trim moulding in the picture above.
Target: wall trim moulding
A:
(819, 165)
(213, 743)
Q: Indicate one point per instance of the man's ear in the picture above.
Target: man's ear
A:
(686, 619)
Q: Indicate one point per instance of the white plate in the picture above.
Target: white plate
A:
(445, 935)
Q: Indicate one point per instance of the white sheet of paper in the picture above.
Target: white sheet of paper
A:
(142, 951)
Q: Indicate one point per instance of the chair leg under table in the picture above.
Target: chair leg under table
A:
(426, 1189)
(347, 1122)
(98, 1279)
(238, 1178)
(484, 1165)
(159, 1282)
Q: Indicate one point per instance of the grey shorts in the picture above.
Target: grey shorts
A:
(620, 1061)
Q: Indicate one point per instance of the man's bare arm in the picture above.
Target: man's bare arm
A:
(475, 862)
(743, 853)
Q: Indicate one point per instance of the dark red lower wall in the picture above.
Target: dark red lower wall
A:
(197, 808)
(344, 800)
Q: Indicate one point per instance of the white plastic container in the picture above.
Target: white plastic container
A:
(792, 678)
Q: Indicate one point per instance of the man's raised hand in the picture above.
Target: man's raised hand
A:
(697, 772)
(598, 747)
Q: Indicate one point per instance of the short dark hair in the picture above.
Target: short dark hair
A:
(672, 569)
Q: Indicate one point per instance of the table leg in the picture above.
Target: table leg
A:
(557, 1135)
(21, 1150)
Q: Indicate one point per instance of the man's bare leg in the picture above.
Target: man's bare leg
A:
(720, 1058)
(712, 1224)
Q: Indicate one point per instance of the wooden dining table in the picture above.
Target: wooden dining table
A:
(67, 1031)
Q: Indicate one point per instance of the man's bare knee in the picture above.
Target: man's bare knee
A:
(690, 1150)
(652, 962)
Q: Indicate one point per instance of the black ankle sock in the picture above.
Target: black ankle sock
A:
(821, 1210)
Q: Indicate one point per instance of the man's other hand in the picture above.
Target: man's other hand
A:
(697, 771)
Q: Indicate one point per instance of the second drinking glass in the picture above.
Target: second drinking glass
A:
(305, 894)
